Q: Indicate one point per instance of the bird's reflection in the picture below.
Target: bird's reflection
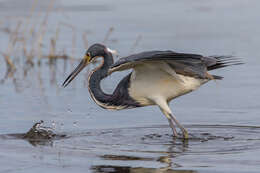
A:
(128, 169)
(172, 152)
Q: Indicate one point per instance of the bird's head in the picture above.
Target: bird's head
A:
(93, 52)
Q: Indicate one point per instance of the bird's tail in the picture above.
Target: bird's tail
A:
(224, 61)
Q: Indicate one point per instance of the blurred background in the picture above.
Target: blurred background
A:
(41, 42)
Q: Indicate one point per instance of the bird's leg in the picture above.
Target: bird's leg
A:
(172, 125)
(175, 134)
(163, 105)
(184, 131)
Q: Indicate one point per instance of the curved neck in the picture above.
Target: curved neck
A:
(95, 78)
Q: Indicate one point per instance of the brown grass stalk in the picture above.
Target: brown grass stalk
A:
(85, 40)
(43, 28)
(9, 63)
(10, 47)
(108, 34)
(137, 41)
(74, 38)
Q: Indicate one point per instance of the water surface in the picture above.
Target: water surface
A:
(222, 117)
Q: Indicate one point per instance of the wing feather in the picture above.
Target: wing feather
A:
(176, 63)
(167, 68)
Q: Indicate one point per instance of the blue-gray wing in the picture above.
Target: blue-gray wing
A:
(181, 63)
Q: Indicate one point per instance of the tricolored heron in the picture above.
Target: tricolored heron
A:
(156, 79)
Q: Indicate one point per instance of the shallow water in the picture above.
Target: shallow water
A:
(140, 149)
(222, 117)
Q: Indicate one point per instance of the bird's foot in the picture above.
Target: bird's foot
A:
(185, 134)
(176, 136)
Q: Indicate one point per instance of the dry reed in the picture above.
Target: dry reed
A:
(26, 40)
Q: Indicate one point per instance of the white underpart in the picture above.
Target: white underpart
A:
(114, 52)
(154, 83)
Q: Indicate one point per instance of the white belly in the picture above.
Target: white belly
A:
(149, 82)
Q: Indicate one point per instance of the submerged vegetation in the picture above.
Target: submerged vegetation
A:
(31, 43)
(27, 41)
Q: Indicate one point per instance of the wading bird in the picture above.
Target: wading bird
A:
(156, 79)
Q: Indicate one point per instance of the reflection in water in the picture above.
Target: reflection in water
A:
(214, 141)
(125, 158)
(124, 149)
(127, 169)
(165, 159)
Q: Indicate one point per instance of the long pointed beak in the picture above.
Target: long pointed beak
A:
(78, 69)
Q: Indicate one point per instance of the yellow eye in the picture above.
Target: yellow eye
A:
(87, 57)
